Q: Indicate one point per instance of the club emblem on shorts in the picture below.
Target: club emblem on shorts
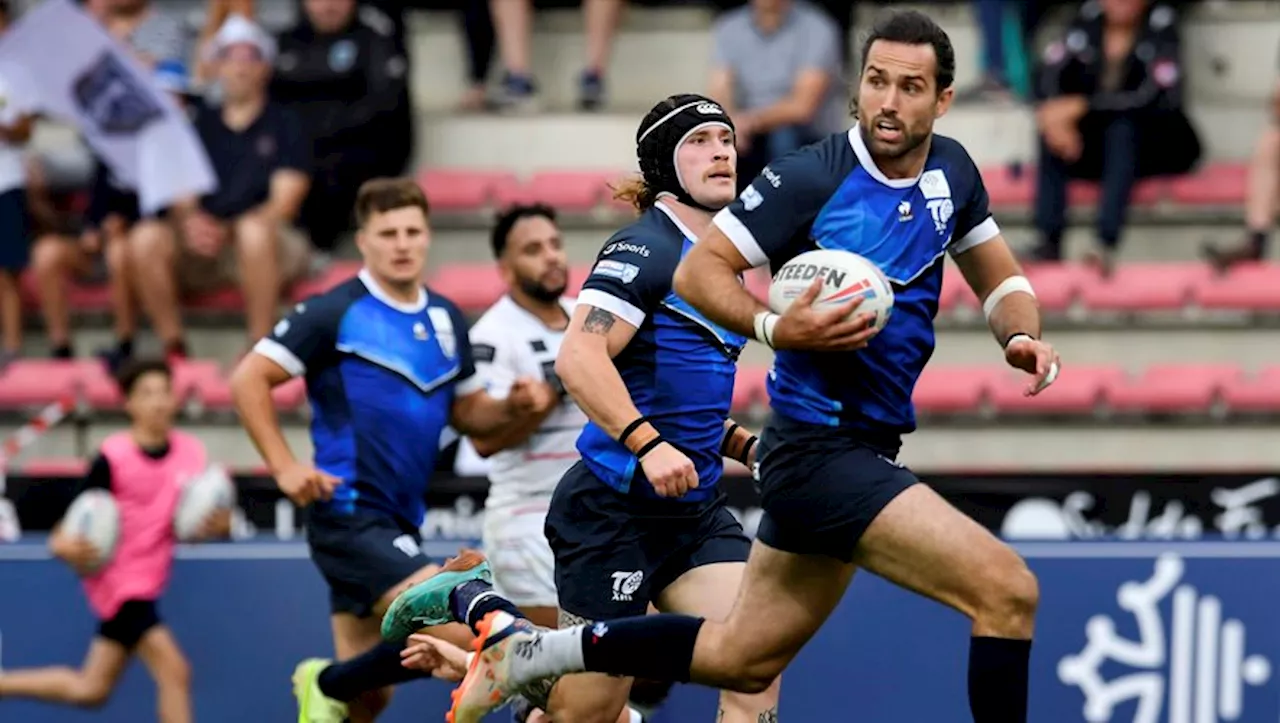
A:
(625, 585)
(1194, 650)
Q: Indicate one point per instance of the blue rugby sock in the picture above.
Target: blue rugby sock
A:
(473, 600)
(998, 673)
(377, 668)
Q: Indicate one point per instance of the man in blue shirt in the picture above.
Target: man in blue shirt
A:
(640, 520)
(834, 498)
(387, 365)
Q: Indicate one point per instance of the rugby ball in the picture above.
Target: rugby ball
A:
(845, 275)
(202, 495)
(93, 516)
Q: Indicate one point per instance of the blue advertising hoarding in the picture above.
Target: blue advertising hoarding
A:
(1139, 632)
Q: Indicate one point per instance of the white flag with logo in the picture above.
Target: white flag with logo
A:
(81, 75)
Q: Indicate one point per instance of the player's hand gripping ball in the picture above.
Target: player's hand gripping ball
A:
(829, 301)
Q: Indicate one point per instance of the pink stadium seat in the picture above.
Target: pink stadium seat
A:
(1058, 285)
(1171, 388)
(1006, 189)
(100, 390)
(227, 299)
(215, 393)
(955, 290)
(950, 390)
(577, 277)
(570, 191)
(1078, 390)
(1259, 393)
(89, 298)
(1218, 184)
(1145, 287)
(1249, 287)
(291, 395)
(749, 388)
(757, 281)
(336, 273)
(473, 287)
(450, 189)
(1146, 193)
(34, 382)
(54, 468)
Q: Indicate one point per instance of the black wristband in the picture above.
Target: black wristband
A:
(746, 449)
(728, 437)
(622, 438)
(649, 446)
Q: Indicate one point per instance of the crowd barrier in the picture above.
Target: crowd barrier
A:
(1158, 606)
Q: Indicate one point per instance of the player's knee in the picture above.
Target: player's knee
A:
(90, 693)
(1011, 596)
(151, 241)
(255, 236)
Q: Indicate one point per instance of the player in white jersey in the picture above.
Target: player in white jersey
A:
(519, 337)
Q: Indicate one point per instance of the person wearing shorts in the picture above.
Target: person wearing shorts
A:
(243, 232)
(144, 469)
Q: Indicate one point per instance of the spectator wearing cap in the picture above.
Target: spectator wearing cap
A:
(16, 120)
(1109, 108)
(244, 230)
(776, 68)
(100, 251)
(341, 70)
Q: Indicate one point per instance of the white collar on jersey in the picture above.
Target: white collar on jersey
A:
(869, 165)
(688, 232)
(380, 294)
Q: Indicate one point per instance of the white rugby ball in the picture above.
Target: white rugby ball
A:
(93, 516)
(846, 276)
(202, 495)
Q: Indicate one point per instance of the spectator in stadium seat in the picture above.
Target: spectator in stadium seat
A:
(243, 231)
(1109, 108)
(101, 250)
(513, 20)
(777, 69)
(342, 72)
(16, 122)
(1262, 196)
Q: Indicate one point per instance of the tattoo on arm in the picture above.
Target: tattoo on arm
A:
(598, 321)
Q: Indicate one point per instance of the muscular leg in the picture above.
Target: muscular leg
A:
(925, 545)
(172, 673)
(589, 697)
(710, 592)
(89, 686)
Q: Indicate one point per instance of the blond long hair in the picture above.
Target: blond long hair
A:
(633, 191)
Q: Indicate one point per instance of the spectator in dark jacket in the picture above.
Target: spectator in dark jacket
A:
(1110, 109)
(343, 72)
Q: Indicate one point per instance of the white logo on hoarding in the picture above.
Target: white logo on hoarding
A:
(1197, 657)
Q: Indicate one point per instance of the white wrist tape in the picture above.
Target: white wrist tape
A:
(1011, 285)
(764, 323)
(634, 716)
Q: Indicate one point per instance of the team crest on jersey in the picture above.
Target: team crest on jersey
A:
(420, 331)
(445, 337)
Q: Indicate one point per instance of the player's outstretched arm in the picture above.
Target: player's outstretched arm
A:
(1010, 305)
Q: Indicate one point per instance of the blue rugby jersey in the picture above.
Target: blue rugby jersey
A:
(381, 378)
(831, 195)
(679, 367)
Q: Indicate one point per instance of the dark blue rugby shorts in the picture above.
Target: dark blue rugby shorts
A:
(820, 489)
(362, 556)
(615, 553)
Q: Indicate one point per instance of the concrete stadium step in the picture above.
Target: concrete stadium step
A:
(1229, 53)
(1133, 349)
(525, 144)
(934, 448)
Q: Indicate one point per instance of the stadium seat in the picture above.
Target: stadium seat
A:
(1058, 285)
(215, 393)
(1173, 388)
(452, 189)
(749, 388)
(27, 383)
(1145, 287)
(1217, 184)
(227, 299)
(952, 390)
(569, 191)
(1145, 193)
(1079, 390)
(757, 281)
(54, 468)
(473, 287)
(1257, 393)
(577, 277)
(336, 273)
(1248, 287)
(955, 290)
(1009, 187)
